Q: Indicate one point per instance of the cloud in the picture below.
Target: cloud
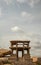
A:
(37, 18)
(21, 1)
(22, 18)
(0, 12)
(36, 37)
(27, 16)
(8, 1)
(17, 29)
(37, 45)
(36, 49)
(23, 14)
(31, 3)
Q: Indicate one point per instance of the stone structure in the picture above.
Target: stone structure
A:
(17, 46)
(20, 46)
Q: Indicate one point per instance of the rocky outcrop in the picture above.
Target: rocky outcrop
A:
(4, 52)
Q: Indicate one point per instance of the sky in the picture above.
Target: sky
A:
(21, 20)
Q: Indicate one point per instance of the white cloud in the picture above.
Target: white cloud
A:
(8, 1)
(17, 29)
(23, 14)
(27, 16)
(29, 2)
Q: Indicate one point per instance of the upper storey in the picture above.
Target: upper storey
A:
(14, 42)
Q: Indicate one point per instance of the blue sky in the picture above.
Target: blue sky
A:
(21, 19)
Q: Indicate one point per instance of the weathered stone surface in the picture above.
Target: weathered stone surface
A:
(1, 63)
(24, 63)
(4, 52)
(4, 60)
(7, 64)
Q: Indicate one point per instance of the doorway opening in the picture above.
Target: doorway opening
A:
(19, 54)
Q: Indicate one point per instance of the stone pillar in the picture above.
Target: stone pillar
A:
(16, 51)
(22, 53)
(28, 52)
